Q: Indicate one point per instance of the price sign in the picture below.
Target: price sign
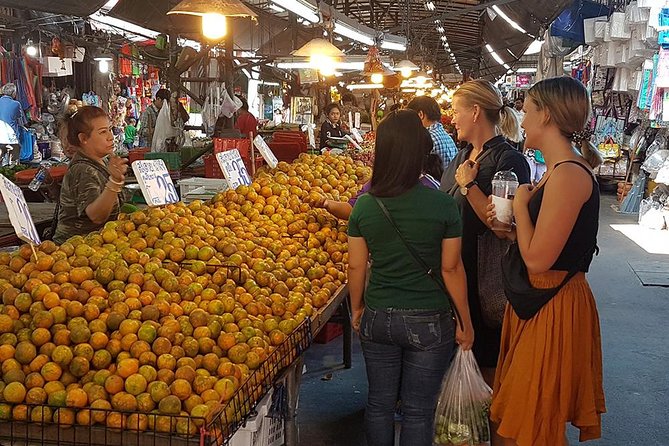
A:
(357, 120)
(233, 168)
(18, 211)
(265, 151)
(356, 134)
(310, 133)
(352, 141)
(155, 182)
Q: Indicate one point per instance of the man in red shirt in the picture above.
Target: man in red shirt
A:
(246, 123)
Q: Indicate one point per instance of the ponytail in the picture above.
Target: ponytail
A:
(590, 153)
(508, 125)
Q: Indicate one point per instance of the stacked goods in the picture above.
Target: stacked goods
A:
(366, 155)
(167, 311)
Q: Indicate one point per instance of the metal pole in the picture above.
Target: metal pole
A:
(229, 64)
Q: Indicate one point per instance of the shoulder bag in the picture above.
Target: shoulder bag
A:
(419, 260)
(526, 300)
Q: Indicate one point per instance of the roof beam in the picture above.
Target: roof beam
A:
(457, 12)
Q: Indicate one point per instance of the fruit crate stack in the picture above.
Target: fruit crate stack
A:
(211, 166)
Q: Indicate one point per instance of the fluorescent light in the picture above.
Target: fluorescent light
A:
(429, 5)
(276, 8)
(494, 54)
(408, 90)
(440, 29)
(506, 66)
(394, 46)
(444, 38)
(353, 34)
(508, 19)
(299, 8)
(304, 65)
(526, 70)
(365, 86)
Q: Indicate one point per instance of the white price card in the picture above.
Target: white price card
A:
(265, 151)
(309, 128)
(233, 168)
(19, 215)
(352, 141)
(356, 134)
(357, 120)
(155, 182)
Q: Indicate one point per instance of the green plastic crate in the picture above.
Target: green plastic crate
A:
(172, 159)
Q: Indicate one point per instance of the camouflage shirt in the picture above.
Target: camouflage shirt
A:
(84, 181)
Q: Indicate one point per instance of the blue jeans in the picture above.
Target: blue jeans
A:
(407, 353)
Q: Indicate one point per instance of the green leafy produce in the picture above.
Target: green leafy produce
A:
(10, 171)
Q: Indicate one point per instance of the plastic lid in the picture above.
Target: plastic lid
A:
(505, 175)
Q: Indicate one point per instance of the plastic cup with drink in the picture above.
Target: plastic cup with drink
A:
(504, 186)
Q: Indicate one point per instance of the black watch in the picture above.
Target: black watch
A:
(465, 189)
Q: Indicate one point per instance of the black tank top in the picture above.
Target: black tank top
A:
(584, 233)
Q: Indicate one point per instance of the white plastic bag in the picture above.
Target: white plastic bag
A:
(464, 405)
(229, 105)
(164, 129)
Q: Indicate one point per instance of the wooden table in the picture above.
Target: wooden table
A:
(42, 214)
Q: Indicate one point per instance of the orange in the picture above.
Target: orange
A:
(51, 371)
(103, 406)
(114, 384)
(76, 398)
(128, 367)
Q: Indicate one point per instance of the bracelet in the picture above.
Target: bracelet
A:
(116, 191)
(118, 183)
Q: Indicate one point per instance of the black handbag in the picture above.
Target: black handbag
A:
(526, 300)
(419, 260)
(491, 250)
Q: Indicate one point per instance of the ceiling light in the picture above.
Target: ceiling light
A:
(353, 34)
(494, 54)
(444, 38)
(440, 29)
(393, 46)
(526, 70)
(323, 56)
(376, 78)
(276, 8)
(508, 19)
(429, 5)
(31, 49)
(213, 14)
(365, 87)
(299, 8)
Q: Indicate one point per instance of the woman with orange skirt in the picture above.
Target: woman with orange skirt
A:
(550, 365)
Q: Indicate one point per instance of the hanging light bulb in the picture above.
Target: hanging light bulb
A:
(104, 64)
(377, 78)
(323, 56)
(214, 26)
(213, 14)
(31, 50)
(325, 65)
(406, 72)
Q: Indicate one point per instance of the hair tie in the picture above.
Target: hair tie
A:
(74, 114)
(501, 109)
(581, 135)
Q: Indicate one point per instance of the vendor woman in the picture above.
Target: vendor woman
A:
(91, 190)
(332, 127)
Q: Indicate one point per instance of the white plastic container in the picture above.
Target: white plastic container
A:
(260, 430)
(200, 188)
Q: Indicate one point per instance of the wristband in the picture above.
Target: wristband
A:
(118, 183)
(116, 191)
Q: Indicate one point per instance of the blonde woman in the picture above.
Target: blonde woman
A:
(481, 119)
(550, 365)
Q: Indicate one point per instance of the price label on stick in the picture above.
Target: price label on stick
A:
(19, 215)
(155, 182)
(233, 168)
(265, 151)
(356, 134)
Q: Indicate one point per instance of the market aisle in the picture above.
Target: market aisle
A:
(636, 358)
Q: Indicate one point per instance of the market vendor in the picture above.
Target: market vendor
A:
(332, 127)
(90, 194)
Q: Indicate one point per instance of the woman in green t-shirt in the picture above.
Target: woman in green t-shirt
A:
(406, 320)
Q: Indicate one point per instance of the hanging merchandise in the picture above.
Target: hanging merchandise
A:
(164, 129)
(124, 63)
(644, 98)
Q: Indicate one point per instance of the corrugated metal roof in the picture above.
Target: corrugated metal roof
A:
(78, 8)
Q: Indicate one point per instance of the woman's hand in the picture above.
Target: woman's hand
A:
(491, 215)
(356, 317)
(466, 173)
(523, 195)
(465, 338)
(118, 167)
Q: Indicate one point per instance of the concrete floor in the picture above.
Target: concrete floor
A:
(636, 358)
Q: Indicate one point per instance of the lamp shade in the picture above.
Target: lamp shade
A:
(406, 65)
(229, 8)
(320, 47)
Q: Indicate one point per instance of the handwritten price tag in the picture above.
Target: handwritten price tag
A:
(356, 134)
(233, 168)
(309, 128)
(18, 211)
(155, 182)
(265, 151)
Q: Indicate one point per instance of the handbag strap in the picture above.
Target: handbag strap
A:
(428, 270)
(480, 157)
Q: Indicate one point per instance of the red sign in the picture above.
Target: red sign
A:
(523, 80)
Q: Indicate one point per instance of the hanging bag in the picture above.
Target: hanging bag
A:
(526, 300)
(463, 408)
